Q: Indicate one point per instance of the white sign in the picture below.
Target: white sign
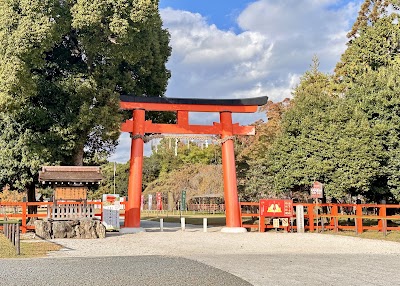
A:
(111, 207)
(275, 222)
(285, 221)
(316, 191)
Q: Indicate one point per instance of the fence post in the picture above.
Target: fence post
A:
(382, 214)
(359, 224)
(310, 211)
(12, 236)
(24, 216)
(17, 241)
(384, 227)
(5, 227)
(334, 214)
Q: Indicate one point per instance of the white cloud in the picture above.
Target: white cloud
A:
(276, 46)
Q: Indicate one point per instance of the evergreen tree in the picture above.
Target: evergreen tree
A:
(323, 139)
(63, 65)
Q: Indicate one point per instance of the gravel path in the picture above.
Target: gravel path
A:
(259, 258)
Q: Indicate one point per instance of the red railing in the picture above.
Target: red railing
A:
(320, 217)
(18, 211)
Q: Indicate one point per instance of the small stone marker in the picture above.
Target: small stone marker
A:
(183, 223)
(205, 224)
(300, 218)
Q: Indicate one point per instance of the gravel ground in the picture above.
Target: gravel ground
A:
(259, 258)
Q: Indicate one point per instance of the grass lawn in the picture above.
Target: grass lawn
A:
(214, 220)
(28, 249)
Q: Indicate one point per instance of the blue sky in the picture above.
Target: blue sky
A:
(223, 14)
(238, 49)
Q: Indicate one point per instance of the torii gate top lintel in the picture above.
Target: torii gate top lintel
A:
(185, 105)
(246, 105)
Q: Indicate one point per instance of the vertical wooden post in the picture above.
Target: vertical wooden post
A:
(310, 211)
(132, 212)
(232, 206)
(24, 216)
(359, 224)
(382, 213)
(17, 240)
(334, 217)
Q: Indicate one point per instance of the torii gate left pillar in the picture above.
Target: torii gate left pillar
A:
(138, 127)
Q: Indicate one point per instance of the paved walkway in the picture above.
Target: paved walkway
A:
(213, 258)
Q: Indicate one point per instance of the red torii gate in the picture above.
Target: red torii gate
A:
(138, 127)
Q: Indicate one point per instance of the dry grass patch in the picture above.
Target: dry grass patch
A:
(28, 249)
(390, 236)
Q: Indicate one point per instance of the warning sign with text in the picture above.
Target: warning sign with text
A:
(276, 208)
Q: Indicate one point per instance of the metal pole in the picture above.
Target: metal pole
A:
(114, 177)
(161, 224)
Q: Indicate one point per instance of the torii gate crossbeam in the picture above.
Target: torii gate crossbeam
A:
(138, 127)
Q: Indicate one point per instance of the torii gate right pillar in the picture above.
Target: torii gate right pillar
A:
(232, 207)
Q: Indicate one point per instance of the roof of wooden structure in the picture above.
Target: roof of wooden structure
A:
(70, 174)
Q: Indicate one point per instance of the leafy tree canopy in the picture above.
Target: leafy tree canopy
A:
(63, 65)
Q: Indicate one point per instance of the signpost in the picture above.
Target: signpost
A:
(111, 207)
(275, 208)
(183, 201)
(159, 201)
(316, 193)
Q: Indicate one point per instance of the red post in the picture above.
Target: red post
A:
(359, 223)
(24, 216)
(132, 212)
(228, 166)
(310, 211)
(334, 217)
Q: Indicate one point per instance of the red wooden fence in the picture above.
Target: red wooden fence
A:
(334, 217)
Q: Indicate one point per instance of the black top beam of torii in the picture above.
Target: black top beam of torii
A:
(255, 101)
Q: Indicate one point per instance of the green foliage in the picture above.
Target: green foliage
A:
(107, 184)
(376, 94)
(374, 41)
(321, 137)
(63, 65)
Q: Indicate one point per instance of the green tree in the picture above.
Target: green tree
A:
(63, 65)
(374, 40)
(254, 180)
(324, 139)
(376, 94)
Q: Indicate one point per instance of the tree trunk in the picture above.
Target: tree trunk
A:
(30, 189)
(78, 156)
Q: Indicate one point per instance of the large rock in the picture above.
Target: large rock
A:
(43, 229)
(82, 228)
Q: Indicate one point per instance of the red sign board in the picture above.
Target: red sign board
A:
(276, 208)
(159, 201)
(316, 191)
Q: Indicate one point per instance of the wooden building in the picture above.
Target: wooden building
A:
(70, 182)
